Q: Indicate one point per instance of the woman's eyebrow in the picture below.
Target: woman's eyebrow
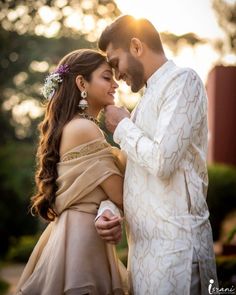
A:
(108, 71)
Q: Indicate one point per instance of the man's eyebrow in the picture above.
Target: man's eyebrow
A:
(112, 61)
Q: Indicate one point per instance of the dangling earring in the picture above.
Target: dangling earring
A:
(83, 104)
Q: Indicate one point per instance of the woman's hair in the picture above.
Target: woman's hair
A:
(61, 108)
(120, 32)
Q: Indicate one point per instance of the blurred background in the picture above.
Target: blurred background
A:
(34, 35)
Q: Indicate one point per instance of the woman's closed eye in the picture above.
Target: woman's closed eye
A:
(107, 78)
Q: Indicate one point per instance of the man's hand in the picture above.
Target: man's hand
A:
(109, 228)
(113, 115)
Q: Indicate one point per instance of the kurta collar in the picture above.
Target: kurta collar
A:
(159, 72)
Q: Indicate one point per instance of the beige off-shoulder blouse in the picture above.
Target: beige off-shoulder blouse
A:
(70, 258)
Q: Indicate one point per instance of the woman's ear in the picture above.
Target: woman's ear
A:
(80, 82)
(136, 47)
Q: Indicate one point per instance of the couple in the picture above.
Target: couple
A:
(165, 182)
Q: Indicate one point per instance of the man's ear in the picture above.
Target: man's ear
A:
(136, 47)
(80, 82)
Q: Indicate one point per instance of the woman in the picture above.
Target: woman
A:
(77, 169)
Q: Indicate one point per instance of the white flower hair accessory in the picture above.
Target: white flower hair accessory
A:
(53, 80)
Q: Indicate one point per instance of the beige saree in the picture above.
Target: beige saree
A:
(70, 258)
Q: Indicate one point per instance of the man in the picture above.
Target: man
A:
(165, 139)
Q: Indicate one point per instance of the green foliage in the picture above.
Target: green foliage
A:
(227, 21)
(21, 249)
(221, 196)
(35, 17)
(4, 286)
(122, 248)
(16, 187)
(175, 42)
(231, 235)
(226, 266)
(22, 82)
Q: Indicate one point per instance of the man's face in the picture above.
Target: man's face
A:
(126, 67)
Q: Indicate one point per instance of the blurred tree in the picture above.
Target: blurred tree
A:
(226, 15)
(16, 186)
(221, 196)
(24, 62)
(34, 35)
(175, 42)
(57, 18)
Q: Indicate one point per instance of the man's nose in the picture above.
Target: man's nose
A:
(117, 75)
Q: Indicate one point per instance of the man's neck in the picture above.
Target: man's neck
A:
(153, 62)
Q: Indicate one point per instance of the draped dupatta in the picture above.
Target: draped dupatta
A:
(62, 247)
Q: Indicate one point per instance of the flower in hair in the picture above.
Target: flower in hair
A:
(53, 80)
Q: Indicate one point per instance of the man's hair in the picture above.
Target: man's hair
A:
(120, 32)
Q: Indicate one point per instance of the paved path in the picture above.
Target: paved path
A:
(11, 273)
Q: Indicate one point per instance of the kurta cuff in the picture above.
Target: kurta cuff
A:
(108, 205)
(119, 131)
(127, 133)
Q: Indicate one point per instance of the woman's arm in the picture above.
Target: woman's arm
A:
(113, 187)
(80, 131)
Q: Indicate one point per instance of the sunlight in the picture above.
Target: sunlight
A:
(17, 13)
(47, 14)
(87, 4)
(124, 96)
(229, 59)
(88, 23)
(11, 102)
(39, 66)
(178, 17)
(61, 3)
(52, 30)
(26, 108)
(73, 20)
(181, 17)
(20, 78)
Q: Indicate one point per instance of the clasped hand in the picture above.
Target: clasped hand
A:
(109, 227)
(113, 116)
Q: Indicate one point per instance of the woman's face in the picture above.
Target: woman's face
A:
(101, 88)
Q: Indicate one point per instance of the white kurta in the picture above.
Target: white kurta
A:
(166, 183)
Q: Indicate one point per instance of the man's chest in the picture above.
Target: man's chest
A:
(146, 114)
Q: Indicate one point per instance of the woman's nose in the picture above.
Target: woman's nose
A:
(115, 85)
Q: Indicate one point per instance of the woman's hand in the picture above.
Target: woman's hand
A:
(109, 227)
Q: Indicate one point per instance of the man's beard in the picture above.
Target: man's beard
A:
(136, 73)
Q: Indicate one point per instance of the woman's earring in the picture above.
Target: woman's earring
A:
(83, 104)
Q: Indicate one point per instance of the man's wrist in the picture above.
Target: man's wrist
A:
(101, 211)
(117, 132)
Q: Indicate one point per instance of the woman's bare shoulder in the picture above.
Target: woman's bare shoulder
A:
(79, 131)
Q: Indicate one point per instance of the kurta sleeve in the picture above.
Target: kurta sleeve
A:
(108, 205)
(181, 112)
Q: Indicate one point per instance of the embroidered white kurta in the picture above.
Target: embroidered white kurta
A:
(166, 184)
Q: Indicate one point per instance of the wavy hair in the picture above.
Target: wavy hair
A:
(59, 111)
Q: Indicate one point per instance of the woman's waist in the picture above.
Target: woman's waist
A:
(88, 203)
(86, 207)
